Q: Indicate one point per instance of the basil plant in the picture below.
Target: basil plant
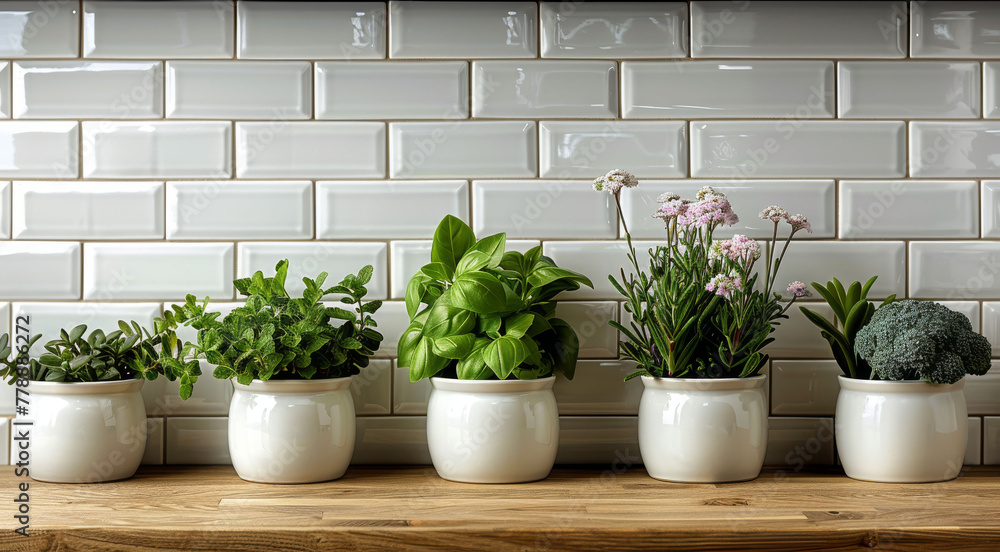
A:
(480, 312)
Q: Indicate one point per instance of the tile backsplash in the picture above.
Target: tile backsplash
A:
(154, 149)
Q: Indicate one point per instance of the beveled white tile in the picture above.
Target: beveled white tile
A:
(467, 149)
(974, 446)
(549, 88)
(279, 149)
(392, 322)
(596, 259)
(909, 209)
(308, 259)
(157, 30)
(801, 30)
(584, 149)
(982, 393)
(39, 149)
(391, 440)
(969, 308)
(392, 90)
(908, 89)
(848, 262)
(35, 29)
(466, 30)
(798, 89)
(157, 270)
(276, 90)
(210, 396)
(408, 397)
(4, 320)
(597, 388)
(954, 30)
(47, 318)
(5, 89)
(372, 389)
(797, 337)
(991, 440)
(954, 270)
(798, 149)
(990, 203)
(814, 198)
(542, 209)
(88, 89)
(153, 455)
(5, 210)
(311, 30)
(991, 324)
(39, 270)
(804, 387)
(991, 90)
(408, 256)
(216, 209)
(614, 30)
(396, 209)
(611, 441)
(590, 320)
(197, 441)
(151, 149)
(90, 210)
(793, 443)
(954, 149)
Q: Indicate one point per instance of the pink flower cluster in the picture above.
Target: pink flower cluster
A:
(738, 249)
(798, 289)
(614, 181)
(711, 208)
(724, 285)
(776, 214)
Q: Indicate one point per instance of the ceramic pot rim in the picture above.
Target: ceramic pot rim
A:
(705, 384)
(492, 386)
(294, 385)
(84, 387)
(898, 386)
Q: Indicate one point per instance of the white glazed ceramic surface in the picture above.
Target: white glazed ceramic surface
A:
(901, 431)
(292, 431)
(703, 430)
(86, 432)
(492, 431)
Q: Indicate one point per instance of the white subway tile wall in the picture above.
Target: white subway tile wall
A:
(154, 149)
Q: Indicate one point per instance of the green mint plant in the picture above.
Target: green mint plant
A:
(924, 340)
(696, 310)
(851, 311)
(487, 313)
(275, 336)
(132, 352)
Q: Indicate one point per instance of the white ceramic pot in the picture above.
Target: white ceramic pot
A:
(492, 431)
(84, 432)
(703, 430)
(292, 431)
(901, 431)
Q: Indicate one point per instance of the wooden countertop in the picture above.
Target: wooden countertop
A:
(208, 508)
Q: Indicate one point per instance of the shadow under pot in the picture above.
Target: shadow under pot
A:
(695, 430)
(489, 431)
(86, 432)
(292, 431)
(901, 431)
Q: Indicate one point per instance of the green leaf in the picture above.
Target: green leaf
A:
(567, 347)
(493, 246)
(472, 261)
(447, 320)
(504, 354)
(408, 343)
(452, 239)
(454, 346)
(545, 274)
(473, 366)
(77, 332)
(437, 271)
(479, 292)
(365, 275)
(415, 290)
(424, 363)
(490, 325)
(518, 325)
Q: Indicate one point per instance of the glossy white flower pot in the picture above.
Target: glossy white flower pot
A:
(703, 430)
(492, 431)
(901, 431)
(84, 432)
(292, 431)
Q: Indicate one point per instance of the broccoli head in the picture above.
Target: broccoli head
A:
(922, 340)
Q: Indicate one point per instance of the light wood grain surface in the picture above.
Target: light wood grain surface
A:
(208, 508)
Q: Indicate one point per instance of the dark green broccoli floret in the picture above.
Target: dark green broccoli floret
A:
(922, 340)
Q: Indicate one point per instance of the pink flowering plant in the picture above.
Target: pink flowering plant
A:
(697, 310)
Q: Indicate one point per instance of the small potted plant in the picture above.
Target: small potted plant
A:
(291, 419)
(83, 397)
(906, 420)
(488, 339)
(699, 321)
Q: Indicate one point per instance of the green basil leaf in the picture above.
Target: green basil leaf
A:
(454, 346)
(437, 271)
(567, 347)
(504, 354)
(545, 274)
(452, 239)
(446, 320)
(424, 363)
(471, 262)
(518, 325)
(493, 246)
(479, 292)
(473, 366)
